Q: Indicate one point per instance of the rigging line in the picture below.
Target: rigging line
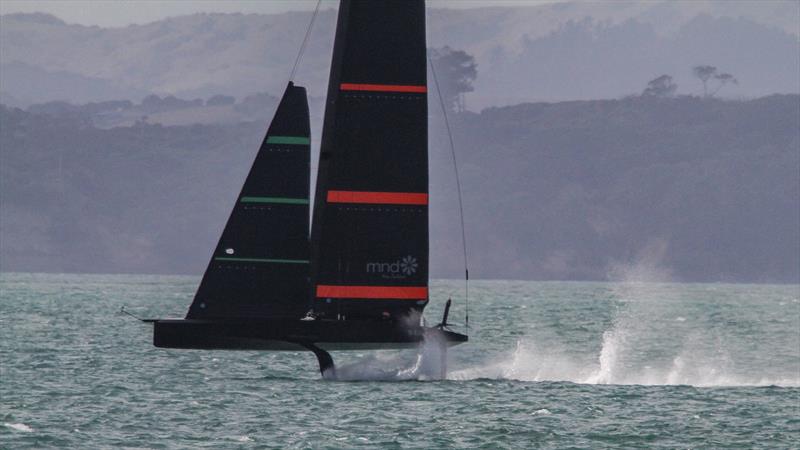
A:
(458, 187)
(303, 46)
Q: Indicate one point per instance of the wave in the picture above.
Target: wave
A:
(18, 427)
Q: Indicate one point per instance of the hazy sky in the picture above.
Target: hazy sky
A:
(114, 13)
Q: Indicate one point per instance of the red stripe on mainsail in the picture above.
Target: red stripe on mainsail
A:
(387, 198)
(373, 292)
(383, 87)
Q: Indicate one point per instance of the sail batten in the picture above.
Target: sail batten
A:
(371, 87)
(386, 198)
(373, 292)
(264, 260)
(276, 200)
(289, 140)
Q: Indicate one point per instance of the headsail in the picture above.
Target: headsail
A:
(260, 266)
(370, 230)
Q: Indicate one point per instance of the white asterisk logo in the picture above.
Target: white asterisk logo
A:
(409, 265)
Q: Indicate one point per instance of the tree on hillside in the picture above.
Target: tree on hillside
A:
(662, 86)
(707, 73)
(704, 73)
(455, 71)
(723, 79)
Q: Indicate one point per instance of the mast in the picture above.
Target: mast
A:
(369, 240)
(260, 266)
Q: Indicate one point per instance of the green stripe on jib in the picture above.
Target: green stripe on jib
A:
(293, 140)
(281, 200)
(262, 260)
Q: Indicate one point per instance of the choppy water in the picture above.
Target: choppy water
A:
(549, 365)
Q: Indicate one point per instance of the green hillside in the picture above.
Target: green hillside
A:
(685, 189)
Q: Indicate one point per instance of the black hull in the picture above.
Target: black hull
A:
(295, 335)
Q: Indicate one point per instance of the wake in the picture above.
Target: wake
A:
(528, 362)
(532, 363)
(648, 342)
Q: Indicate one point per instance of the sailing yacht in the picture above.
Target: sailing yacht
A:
(359, 279)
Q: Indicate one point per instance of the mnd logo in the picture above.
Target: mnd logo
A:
(409, 265)
(401, 268)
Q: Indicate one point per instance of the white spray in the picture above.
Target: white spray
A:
(425, 364)
(640, 290)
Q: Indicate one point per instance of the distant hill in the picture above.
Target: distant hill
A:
(699, 190)
(551, 52)
(168, 110)
(31, 82)
(706, 190)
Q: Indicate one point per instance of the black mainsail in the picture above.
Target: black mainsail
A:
(260, 266)
(370, 230)
(363, 271)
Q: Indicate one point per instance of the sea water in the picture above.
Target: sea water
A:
(549, 365)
